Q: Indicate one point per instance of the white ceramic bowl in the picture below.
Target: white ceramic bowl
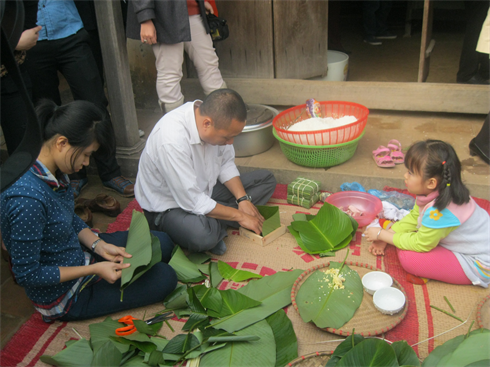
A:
(389, 300)
(375, 280)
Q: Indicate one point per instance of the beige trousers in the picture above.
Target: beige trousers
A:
(169, 60)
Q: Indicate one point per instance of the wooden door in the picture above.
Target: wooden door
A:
(427, 43)
(247, 52)
(300, 38)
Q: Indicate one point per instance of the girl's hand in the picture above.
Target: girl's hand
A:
(371, 234)
(208, 7)
(112, 253)
(109, 271)
(148, 32)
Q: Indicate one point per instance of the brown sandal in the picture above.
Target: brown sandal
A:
(102, 203)
(84, 213)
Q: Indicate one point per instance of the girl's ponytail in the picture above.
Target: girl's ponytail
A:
(45, 111)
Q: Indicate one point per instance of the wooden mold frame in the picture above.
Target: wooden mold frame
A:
(263, 241)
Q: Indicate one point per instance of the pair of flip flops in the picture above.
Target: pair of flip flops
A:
(386, 157)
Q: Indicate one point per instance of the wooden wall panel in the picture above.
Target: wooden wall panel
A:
(300, 38)
(247, 52)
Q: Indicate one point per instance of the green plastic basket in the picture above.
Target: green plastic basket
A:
(318, 156)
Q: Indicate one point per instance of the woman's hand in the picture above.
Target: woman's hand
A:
(112, 253)
(208, 7)
(28, 39)
(109, 271)
(148, 32)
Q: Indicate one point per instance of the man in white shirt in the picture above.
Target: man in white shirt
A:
(188, 184)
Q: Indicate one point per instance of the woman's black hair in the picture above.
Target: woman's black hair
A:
(81, 122)
(437, 159)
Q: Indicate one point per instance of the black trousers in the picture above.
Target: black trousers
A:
(72, 57)
(472, 62)
(13, 110)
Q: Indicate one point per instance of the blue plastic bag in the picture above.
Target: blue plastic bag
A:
(354, 186)
(401, 201)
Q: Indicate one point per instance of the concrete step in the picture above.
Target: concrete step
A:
(382, 126)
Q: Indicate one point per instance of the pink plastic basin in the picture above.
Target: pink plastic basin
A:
(368, 204)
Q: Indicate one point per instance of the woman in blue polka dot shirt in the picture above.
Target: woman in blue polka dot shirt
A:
(69, 272)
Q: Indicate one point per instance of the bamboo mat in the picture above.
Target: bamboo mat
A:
(420, 323)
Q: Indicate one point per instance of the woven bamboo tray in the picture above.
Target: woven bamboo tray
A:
(483, 313)
(317, 359)
(367, 321)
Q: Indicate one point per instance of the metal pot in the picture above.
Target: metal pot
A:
(256, 136)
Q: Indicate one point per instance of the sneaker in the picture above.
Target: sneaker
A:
(219, 249)
(373, 41)
(121, 185)
(386, 36)
(475, 79)
(77, 186)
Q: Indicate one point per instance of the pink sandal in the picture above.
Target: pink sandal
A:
(396, 151)
(382, 157)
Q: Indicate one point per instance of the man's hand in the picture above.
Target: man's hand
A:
(251, 222)
(28, 39)
(111, 252)
(248, 208)
(148, 32)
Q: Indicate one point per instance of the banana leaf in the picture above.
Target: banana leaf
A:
(233, 302)
(370, 352)
(199, 258)
(154, 358)
(343, 348)
(198, 316)
(214, 275)
(144, 247)
(244, 354)
(182, 312)
(272, 218)
(472, 350)
(177, 299)
(274, 291)
(136, 361)
(447, 348)
(204, 347)
(107, 356)
(77, 354)
(326, 231)
(284, 336)
(210, 298)
(300, 243)
(100, 333)
(325, 306)
(138, 340)
(186, 270)
(181, 343)
(405, 355)
(230, 273)
(144, 328)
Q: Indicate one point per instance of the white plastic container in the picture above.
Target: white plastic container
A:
(338, 67)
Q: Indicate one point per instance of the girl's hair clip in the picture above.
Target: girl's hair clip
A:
(443, 163)
(448, 184)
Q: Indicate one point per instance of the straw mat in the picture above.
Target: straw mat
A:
(421, 322)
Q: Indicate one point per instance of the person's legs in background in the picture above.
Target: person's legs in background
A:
(473, 65)
(202, 53)
(369, 9)
(480, 145)
(78, 66)
(168, 62)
